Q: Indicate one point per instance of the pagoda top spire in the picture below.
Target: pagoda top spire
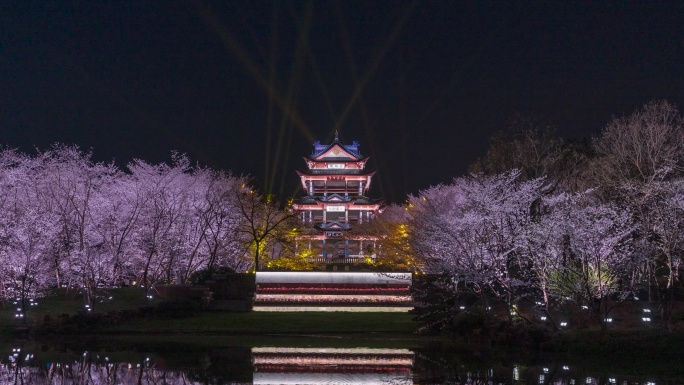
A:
(337, 138)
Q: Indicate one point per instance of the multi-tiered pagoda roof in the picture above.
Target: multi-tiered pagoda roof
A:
(336, 180)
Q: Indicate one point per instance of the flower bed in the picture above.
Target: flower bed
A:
(348, 286)
(371, 368)
(313, 291)
(301, 289)
(300, 299)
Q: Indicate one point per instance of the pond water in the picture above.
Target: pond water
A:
(305, 360)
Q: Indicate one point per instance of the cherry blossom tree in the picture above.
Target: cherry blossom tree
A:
(221, 221)
(468, 230)
(664, 208)
(66, 220)
(600, 258)
(164, 187)
(117, 221)
(636, 156)
(579, 249)
(28, 228)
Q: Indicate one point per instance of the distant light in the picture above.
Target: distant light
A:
(646, 319)
(462, 308)
(564, 324)
(566, 367)
(543, 318)
(647, 310)
(608, 320)
(546, 370)
(612, 381)
(585, 307)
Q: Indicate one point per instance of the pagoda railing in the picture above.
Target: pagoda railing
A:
(333, 260)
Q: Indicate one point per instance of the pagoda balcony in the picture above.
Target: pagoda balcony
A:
(319, 219)
(351, 259)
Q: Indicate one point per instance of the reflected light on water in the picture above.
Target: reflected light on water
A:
(288, 365)
(332, 365)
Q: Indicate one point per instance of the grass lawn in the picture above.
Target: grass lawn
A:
(61, 302)
(251, 323)
(274, 323)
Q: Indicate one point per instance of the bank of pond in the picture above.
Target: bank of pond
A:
(306, 359)
(129, 339)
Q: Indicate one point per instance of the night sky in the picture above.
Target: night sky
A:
(247, 86)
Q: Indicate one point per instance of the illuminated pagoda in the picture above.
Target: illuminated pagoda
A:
(336, 183)
(335, 186)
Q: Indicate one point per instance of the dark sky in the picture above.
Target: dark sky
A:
(248, 86)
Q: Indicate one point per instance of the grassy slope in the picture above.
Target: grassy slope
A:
(209, 322)
(60, 302)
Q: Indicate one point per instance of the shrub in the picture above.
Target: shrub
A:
(200, 277)
(177, 308)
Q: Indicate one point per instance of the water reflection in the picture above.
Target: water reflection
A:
(332, 366)
(87, 371)
(174, 363)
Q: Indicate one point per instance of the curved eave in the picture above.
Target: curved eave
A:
(321, 161)
(342, 146)
(375, 206)
(325, 176)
